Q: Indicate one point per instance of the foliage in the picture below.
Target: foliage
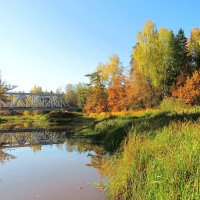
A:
(5, 87)
(140, 93)
(173, 105)
(71, 94)
(26, 113)
(194, 47)
(117, 94)
(97, 95)
(110, 70)
(36, 89)
(190, 92)
(76, 94)
(160, 56)
(160, 63)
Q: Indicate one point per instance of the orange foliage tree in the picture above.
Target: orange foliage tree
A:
(96, 101)
(117, 94)
(140, 93)
(190, 92)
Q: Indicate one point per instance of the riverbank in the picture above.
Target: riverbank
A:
(155, 154)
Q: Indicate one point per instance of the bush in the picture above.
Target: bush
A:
(190, 92)
(173, 105)
(26, 113)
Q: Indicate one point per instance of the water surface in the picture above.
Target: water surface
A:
(48, 165)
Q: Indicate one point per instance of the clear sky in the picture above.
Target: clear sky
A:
(54, 42)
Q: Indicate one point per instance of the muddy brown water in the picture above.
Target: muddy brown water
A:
(49, 166)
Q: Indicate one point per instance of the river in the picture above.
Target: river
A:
(49, 165)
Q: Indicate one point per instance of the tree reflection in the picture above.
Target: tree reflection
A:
(5, 157)
(99, 157)
(35, 140)
(36, 148)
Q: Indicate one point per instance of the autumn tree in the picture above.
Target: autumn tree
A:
(97, 96)
(161, 56)
(117, 94)
(194, 47)
(190, 92)
(153, 54)
(139, 92)
(146, 54)
(110, 70)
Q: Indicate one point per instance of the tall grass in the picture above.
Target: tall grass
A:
(166, 166)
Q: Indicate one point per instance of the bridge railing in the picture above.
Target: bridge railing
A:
(20, 101)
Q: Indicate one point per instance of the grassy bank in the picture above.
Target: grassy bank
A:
(156, 154)
(158, 164)
(113, 128)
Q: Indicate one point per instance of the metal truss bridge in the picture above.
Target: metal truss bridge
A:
(32, 101)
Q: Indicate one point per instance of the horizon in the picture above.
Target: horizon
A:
(51, 44)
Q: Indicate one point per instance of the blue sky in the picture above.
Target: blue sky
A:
(54, 42)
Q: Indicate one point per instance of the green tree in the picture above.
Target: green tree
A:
(160, 56)
(82, 92)
(71, 94)
(183, 58)
(5, 87)
(194, 47)
(146, 52)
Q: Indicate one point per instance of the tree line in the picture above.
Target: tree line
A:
(162, 65)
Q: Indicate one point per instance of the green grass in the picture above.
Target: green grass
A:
(165, 167)
(113, 130)
(154, 155)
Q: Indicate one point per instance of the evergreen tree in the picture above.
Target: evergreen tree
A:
(182, 52)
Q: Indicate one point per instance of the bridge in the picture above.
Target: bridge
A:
(32, 101)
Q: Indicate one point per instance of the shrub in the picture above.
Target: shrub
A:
(190, 92)
(26, 113)
(173, 104)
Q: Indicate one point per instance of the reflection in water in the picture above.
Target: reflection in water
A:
(50, 165)
(5, 157)
(28, 138)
